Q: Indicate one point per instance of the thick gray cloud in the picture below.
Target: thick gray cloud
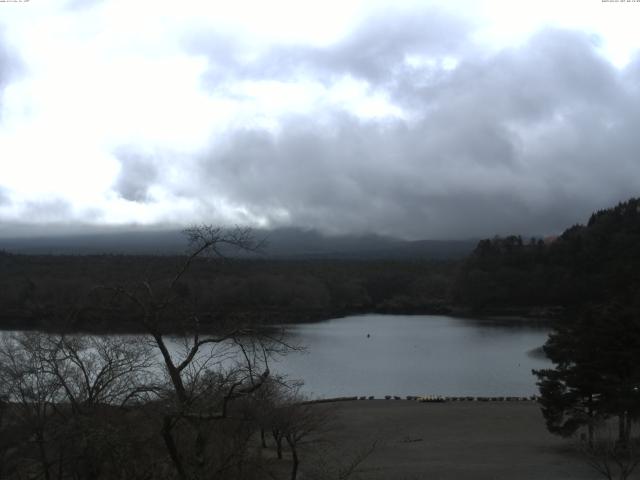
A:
(526, 140)
(48, 210)
(138, 172)
(375, 51)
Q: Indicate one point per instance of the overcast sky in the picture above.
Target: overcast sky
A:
(430, 119)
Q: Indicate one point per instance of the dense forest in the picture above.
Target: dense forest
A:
(503, 275)
(40, 292)
(76, 407)
(587, 263)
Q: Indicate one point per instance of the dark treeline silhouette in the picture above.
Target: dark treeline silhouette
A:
(281, 243)
(99, 407)
(596, 354)
(187, 407)
(587, 263)
(503, 275)
(36, 290)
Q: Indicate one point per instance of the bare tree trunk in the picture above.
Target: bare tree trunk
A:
(278, 438)
(43, 455)
(60, 465)
(623, 428)
(173, 371)
(294, 457)
(262, 438)
(171, 447)
(590, 427)
(200, 445)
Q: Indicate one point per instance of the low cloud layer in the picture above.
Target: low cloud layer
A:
(526, 140)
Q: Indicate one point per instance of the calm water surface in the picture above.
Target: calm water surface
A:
(413, 355)
(408, 355)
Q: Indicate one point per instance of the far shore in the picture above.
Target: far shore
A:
(265, 319)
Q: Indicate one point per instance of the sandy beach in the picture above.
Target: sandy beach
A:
(453, 440)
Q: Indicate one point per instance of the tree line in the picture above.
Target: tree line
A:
(589, 277)
(587, 263)
(34, 290)
(141, 407)
(594, 386)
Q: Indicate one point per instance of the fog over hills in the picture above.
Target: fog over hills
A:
(282, 243)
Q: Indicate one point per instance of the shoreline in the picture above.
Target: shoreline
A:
(258, 321)
(450, 441)
(424, 399)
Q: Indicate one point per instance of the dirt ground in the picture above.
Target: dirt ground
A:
(453, 440)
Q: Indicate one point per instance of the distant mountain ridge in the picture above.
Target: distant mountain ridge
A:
(285, 243)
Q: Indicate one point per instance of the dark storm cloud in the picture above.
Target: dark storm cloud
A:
(554, 70)
(137, 173)
(526, 140)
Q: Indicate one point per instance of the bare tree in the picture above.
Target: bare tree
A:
(612, 459)
(64, 394)
(75, 398)
(98, 370)
(284, 412)
(268, 412)
(33, 394)
(301, 421)
(209, 371)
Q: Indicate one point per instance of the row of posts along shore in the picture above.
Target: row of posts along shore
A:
(427, 399)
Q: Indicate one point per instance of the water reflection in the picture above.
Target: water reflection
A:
(408, 355)
(401, 355)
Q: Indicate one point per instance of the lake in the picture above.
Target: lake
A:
(415, 355)
(406, 355)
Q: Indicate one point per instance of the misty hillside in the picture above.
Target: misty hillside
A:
(286, 243)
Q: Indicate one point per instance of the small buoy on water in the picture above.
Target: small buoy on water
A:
(368, 335)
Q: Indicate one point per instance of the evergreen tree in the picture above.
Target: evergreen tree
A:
(570, 394)
(596, 374)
